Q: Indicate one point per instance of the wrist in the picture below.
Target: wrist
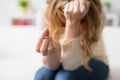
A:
(72, 30)
(74, 23)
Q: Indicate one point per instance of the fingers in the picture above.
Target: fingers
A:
(44, 47)
(87, 4)
(76, 5)
(44, 35)
(50, 46)
(47, 47)
(84, 5)
(76, 10)
(66, 9)
(70, 6)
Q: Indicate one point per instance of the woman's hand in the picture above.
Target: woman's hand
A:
(74, 12)
(46, 45)
(49, 49)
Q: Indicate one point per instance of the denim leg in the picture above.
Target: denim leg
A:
(45, 74)
(65, 75)
(100, 72)
(79, 74)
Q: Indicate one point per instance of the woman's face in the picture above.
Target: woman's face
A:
(61, 16)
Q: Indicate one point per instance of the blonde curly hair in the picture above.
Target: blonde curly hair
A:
(90, 31)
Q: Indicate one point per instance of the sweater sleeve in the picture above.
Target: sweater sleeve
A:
(71, 54)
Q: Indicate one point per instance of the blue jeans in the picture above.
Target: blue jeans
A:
(100, 72)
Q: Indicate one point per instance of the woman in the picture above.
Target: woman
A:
(72, 47)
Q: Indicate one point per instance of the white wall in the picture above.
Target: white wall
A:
(10, 8)
(115, 7)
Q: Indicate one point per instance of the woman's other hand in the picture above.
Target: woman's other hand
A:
(75, 10)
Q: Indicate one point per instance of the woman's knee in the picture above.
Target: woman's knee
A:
(98, 68)
(44, 74)
(65, 75)
(96, 64)
(105, 72)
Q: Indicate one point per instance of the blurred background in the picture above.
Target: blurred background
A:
(19, 35)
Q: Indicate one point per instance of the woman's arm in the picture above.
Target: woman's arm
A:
(74, 12)
(72, 53)
(50, 51)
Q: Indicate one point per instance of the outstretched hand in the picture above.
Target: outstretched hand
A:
(46, 45)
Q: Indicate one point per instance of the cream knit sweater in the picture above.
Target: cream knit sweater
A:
(72, 53)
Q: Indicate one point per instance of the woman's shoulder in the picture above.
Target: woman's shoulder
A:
(99, 42)
(99, 46)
